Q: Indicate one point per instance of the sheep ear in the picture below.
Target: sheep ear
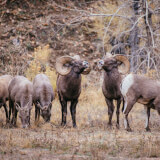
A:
(50, 105)
(17, 106)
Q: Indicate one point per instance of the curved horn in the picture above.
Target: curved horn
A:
(60, 65)
(108, 55)
(124, 69)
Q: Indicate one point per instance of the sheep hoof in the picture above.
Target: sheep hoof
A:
(74, 126)
(110, 125)
(117, 126)
(129, 129)
(63, 124)
(148, 129)
(7, 121)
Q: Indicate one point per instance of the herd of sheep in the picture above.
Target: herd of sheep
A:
(117, 85)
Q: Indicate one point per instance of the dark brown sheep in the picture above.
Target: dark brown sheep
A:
(43, 97)
(4, 82)
(20, 99)
(111, 81)
(69, 83)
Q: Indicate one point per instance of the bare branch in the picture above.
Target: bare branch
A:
(110, 15)
(134, 24)
(153, 43)
(106, 28)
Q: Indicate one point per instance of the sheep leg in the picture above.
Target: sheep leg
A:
(127, 108)
(64, 112)
(6, 110)
(156, 103)
(147, 109)
(10, 108)
(123, 104)
(117, 112)
(13, 113)
(15, 120)
(37, 113)
(29, 117)
(73, 112)
(110, 110)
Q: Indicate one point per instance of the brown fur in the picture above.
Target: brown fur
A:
(43, 97)
(20, 99)
(111, 90)
(145, 91)
(69, 89)
(4, 82)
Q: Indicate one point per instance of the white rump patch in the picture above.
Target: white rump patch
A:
(127, 82)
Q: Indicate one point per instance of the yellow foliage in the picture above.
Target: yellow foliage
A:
(115, 25)
(40, 65)
(151, 73)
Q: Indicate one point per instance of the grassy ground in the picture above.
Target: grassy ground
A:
(92, 139)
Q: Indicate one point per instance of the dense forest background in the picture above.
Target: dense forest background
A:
(89, 28)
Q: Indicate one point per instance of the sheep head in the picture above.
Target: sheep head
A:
(115, 61)
(65, 64)
(24, 114)
(45, 111)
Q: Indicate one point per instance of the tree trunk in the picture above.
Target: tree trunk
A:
(148, 26)
(133, 38)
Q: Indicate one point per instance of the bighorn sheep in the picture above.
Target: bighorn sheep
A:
(4, 82)
(141, 89)
(69, 83)
(43, 97)
(20, 99)
(113, 70)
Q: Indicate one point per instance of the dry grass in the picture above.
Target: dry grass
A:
(91, 140)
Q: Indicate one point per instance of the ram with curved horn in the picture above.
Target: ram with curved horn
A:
(69, 83)
(20, 100)
(43, 97)
(115, 67)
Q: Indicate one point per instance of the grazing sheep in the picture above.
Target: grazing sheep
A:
(4, 82)
(20, 99)
(69, 83)
(141, 89)
(43, 97)
(111, 81)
